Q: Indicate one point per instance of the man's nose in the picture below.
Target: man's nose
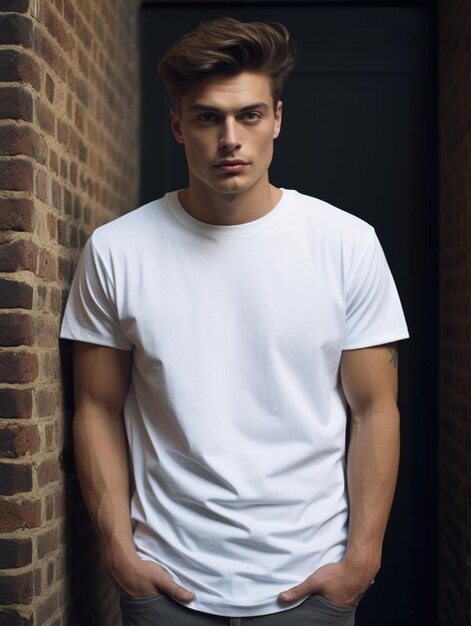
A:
(229, 139)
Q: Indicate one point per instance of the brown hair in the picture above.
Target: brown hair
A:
(227, 47)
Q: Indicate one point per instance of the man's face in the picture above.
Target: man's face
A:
(227, 125)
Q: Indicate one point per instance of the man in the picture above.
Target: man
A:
(231, 323)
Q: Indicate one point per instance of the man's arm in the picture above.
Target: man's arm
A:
(369, 381)
(101, 381)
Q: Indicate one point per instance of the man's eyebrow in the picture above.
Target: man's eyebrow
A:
(199, 106)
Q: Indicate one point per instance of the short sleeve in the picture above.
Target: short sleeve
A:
(90, 313)
(374, 313)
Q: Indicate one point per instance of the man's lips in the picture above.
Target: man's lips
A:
(228, 165)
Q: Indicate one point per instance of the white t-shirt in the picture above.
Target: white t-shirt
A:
(235, 415)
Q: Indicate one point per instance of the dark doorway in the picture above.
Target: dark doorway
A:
(358, 131)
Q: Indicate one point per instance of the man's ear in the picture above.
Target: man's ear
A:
(176, 127)
(277, 127)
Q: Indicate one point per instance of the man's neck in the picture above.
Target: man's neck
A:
(229, 209)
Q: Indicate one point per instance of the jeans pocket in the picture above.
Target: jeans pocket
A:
(345, 608)
(140, 602)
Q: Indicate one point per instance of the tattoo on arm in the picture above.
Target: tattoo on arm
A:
(393, 352)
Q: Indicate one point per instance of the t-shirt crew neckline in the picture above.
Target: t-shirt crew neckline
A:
(218, 230)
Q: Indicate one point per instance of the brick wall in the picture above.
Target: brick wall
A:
(68, 162)
(455, 312)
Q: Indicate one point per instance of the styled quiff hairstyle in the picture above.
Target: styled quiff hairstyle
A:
(227, 47)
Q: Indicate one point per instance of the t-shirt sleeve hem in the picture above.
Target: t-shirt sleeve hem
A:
(79, 334)
(375, 340)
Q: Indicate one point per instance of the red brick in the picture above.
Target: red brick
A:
(16, 175)
(51, 366)
(42, 296)
(79, 117)
(82, 151)
(77, 208)
(46, 334)
(64, 169)
(82, 92)
(16, 441)
(87, 215)
(52, 226)
(16, 329)
(73, 236)
(16, 30)
(53, 162)
(45, 117)
(16, 589)
(61, 35)
(12, 618)
(49, 508)
(60, 506)
(47, 608)
(83, 31)
(70, 103)
(16, 214)
(73, 173)
(73, 142)
(68, 202)
(16, 403)
(45, 47)
(37, 582)
(62, 232)
(64, 268)
(47, 471)
(19, 6)
(86, 9)
(15, 553)
(83, 63)
(41, 187)
(18, 367)
(47, 265)
(69, 13)
(47, 542)
(16, 295)
(55, 300)
(50, 574)
(16, 515)
(22, 140)
(50, 442)
(56, 195)
(63, 132)
(16, 66)
(15, 478)
(50, 88)
(98, 26)
(18, 255)
(16, 103)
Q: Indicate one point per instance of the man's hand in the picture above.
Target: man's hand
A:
(342, 583)
(137, 578)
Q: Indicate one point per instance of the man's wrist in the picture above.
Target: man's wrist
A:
(366, 561)
(118, 554)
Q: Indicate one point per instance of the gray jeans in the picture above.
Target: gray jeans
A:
(161, 610)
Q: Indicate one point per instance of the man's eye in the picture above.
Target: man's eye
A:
(252, 116)
(207, 117)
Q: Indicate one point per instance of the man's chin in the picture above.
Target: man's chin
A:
(233, 185)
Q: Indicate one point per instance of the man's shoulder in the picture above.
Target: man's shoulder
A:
(131, 229)
(326, 218)
(139, 217)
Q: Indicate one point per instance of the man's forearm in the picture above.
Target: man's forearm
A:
(373, 459)
(103, 468)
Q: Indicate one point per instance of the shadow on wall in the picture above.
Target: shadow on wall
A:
(91, 599)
